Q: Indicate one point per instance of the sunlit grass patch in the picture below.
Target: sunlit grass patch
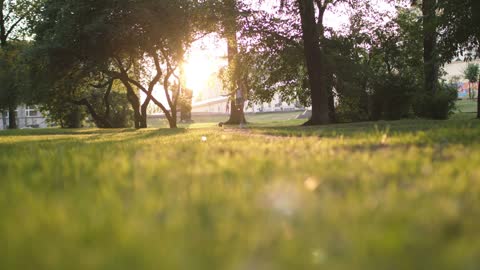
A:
(384, 195)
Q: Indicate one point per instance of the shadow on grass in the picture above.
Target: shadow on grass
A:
(58, 131)
(462, 130)
(79, 137)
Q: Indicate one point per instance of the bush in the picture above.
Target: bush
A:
(65, 115)
(351, 109)
(392, 97)
(121, 112)
(439, 106)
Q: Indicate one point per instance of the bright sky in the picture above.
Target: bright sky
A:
(205, 57)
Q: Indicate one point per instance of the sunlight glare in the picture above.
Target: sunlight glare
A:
(198, 69)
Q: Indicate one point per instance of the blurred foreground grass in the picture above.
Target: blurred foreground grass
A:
(387, 195)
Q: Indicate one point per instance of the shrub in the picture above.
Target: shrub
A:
(392, 97)
(438, 106)
(121, 112)
(64, 115)
(351, 109)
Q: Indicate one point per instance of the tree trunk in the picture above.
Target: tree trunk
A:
(74, 118)
(478, 100)
(313, 57)
(237, 115)
(100, 121)
(144, 116)
(470, 90)
(172, 120)
(430, 46)
(139, 121)
(12, 121)
(3, 30)
(12, 117)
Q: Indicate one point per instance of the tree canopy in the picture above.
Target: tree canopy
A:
(138, 43)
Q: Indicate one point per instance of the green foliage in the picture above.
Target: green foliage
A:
(84, 43)
(459, 28)
(185, 104)
(392, 97)
(65, 115)
(120, 111)
(14, 18)
(271, 60)
(377, 68)
(439, 106)
(14, 75)
(471, 72)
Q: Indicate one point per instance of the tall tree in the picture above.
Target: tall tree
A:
(12, 72)
(230, 12)
(312, 31)
(430, 53)
(13, 14)
(312, 14)
(471, 73)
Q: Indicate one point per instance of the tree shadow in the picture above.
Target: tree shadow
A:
(83, 137)
(460, 131)
(58, 131)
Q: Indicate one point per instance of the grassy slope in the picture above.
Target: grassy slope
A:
(388, 195)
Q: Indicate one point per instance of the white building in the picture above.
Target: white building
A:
(221, 105)
(27, 117)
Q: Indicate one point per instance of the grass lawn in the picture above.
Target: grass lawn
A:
(270, 119)
(386, 195)
(467, 106)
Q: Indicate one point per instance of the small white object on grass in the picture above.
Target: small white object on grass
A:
(204, 138)
(311, 184)
(384, 140)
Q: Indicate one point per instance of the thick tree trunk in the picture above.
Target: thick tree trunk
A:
(144, 116)
(172, 121)
(74, 119)
(138, 120)
(12, 117)
(3, 30)
(237, 115)
(313, 57)
(430, 45)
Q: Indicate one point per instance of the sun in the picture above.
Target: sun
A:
(199, 67)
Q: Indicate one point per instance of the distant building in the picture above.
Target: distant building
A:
(221, 104)
(454, 74)
(27, 117)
